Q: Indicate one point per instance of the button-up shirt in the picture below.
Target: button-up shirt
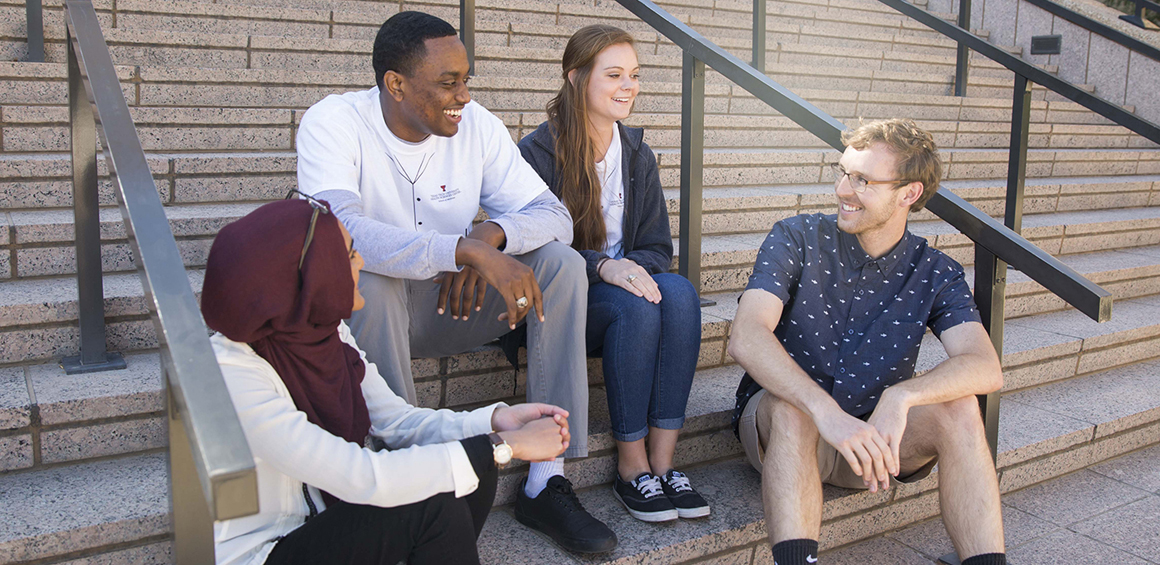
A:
(852, 322)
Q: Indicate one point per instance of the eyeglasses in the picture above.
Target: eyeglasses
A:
(319, 207)
(857, 183)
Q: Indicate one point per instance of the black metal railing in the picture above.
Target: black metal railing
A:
(34, 17)
(1106, 31)
(1137, 16)
(996, 245)
(212, 474)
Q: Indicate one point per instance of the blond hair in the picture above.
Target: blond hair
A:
(916, 155)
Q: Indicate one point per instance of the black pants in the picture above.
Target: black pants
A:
(441, 530)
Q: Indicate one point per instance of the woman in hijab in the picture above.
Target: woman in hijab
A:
(278, 284)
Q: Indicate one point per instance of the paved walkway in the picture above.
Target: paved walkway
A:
(1109, 513)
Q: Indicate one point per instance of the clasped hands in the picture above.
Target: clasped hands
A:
(871, 447)
(535, 432)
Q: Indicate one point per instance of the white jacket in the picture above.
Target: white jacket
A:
(426, 457)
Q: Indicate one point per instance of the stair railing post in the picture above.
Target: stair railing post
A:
(692, 167)
(192, 523)
(87, 222)
(963, 54)
(34, 15)
(467, 31)
(759, 35)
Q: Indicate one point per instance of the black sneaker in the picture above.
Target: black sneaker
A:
(557, 513)
(689, 504)
(644, 498)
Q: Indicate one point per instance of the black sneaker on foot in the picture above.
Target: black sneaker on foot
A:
(689, 504)
(557, 513)
(644, 498)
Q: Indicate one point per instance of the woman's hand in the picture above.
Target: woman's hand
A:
(509, 418)
(539, 440)
(626, 274)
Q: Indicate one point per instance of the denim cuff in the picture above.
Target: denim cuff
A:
(641, 434)
(668, 423)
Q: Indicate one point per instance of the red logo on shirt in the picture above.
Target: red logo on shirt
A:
(444, 187)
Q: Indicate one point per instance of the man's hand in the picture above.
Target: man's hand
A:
(512, 279)
(508, 418)
(889, 418)
(539, 440)
(461, 290)
(619, 271)
(864, 448)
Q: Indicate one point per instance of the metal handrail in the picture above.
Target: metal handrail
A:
(1108, 32)
(1111, 111)
(212, 474)
(984, 230)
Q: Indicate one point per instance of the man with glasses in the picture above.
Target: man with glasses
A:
(406, 166)
(828, 331)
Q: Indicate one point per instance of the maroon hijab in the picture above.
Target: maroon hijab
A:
(253, 293)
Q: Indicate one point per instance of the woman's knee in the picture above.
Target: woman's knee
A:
(676, 288)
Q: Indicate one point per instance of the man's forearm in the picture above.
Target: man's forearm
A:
(766, 361)
(972, 367)
(490, 233)
(543, 220)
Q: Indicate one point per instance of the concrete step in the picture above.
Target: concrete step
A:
(1044, 433)
(68, 511)
(39, 128)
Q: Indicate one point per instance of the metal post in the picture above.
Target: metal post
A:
(692, 168)
(1017, 161)
(1137, 18)
(90, 290)
(962, 61)
(34, 15)
(467, 31)
(192, 523)
(759, 35)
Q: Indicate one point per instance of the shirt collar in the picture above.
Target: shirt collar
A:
(857, 258)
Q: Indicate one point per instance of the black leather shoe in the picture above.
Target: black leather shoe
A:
(557, 513)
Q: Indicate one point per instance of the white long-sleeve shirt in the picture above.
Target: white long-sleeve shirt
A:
(426, 457)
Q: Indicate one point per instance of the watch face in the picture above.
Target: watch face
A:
(503, 454)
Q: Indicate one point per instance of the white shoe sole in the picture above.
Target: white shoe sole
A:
(661, 516)
(688, 513)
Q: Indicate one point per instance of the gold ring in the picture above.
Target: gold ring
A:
(631, 278)
(522, 302)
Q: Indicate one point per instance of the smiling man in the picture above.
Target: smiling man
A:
(406, 166)
(828, 331)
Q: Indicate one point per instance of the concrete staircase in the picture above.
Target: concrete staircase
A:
(217, 90)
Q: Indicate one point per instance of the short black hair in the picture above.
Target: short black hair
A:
(399, 44)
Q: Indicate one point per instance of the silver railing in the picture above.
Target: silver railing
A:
(211, 470)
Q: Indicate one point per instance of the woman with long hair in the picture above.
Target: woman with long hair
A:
(278, 284)
(644, 321)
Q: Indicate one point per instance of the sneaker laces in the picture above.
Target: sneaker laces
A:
(648, 485)
(678, 481)
(567, 496)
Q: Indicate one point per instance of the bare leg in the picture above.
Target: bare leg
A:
(791, 487)
(968, 485)
(661, 445)
(631, 459)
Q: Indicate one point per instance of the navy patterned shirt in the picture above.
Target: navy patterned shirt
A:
(853, 323)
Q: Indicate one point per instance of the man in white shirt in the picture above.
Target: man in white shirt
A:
(406, 167)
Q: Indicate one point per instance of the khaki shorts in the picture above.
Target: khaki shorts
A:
(834, 468)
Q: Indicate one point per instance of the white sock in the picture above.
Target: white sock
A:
(539, 474)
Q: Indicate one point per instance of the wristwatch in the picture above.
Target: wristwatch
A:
(500, 450)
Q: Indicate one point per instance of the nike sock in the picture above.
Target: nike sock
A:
(797, 552)
(987, 559)
(540, 473)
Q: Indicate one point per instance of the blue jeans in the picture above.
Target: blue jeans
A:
(650, 353)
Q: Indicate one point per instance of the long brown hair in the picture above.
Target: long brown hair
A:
(575, 153)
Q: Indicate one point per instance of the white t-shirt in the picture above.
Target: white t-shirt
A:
(612, 196)
(438, 184)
